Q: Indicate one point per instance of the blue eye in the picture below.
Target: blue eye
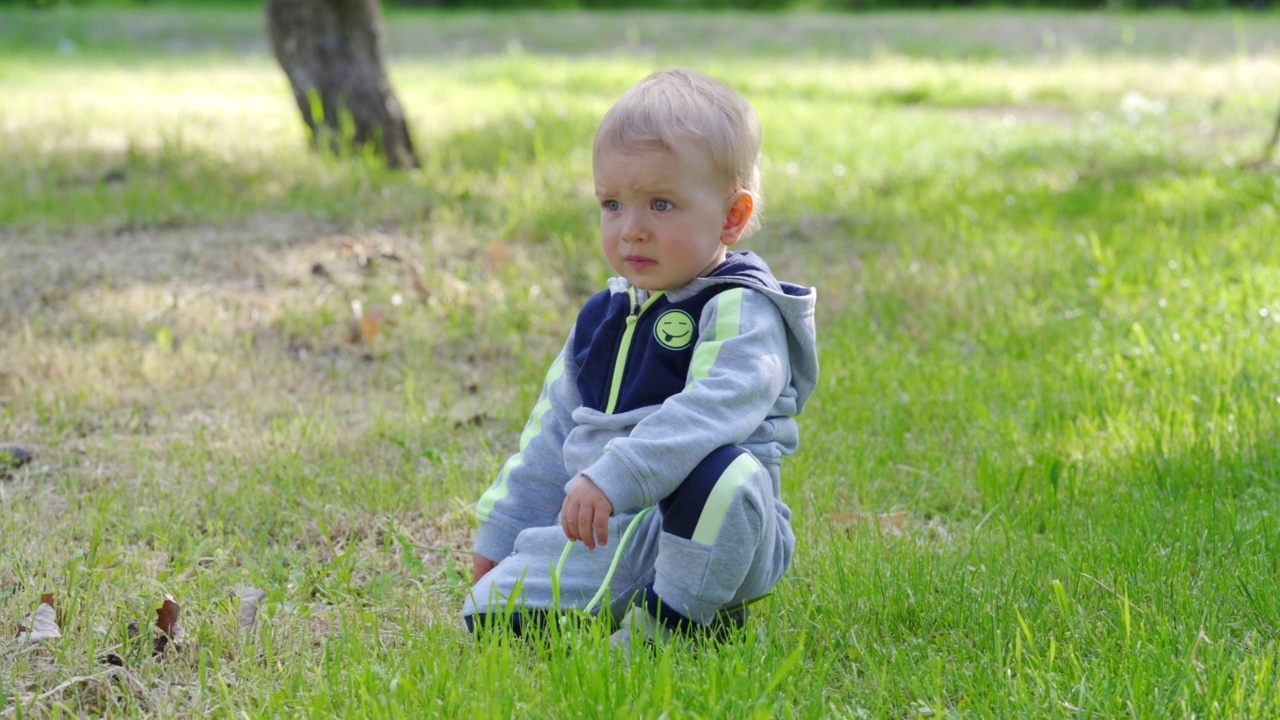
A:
(611, 205)
(662, 205)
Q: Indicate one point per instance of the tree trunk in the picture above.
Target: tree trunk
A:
(1271, 144)
(332, 52)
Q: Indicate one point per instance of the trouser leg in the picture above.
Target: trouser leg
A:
(717, 545)
(714, 542)
(524, 584)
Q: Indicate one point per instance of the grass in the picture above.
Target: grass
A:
(1049, 321)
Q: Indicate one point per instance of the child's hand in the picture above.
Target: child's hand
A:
(480, 566)
(585, 508)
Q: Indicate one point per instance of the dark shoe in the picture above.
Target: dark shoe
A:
(638, 622)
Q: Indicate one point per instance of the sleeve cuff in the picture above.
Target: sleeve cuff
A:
(619, 483)
(494, 542)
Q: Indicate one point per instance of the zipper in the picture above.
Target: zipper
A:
(624, 345)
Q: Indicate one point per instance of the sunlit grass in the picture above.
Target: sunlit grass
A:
(1048, 320)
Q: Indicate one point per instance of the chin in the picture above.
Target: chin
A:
(650, 285)
(638, 282)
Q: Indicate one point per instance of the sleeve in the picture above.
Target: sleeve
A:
(738, 371)
(529, 489)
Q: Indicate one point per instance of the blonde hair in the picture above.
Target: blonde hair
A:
(683, 104)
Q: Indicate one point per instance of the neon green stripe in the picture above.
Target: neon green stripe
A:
(531, 429)
(534, 426)
(619, 364)
(624, 348)
(497, 492)
(721, 495)
(728, 325)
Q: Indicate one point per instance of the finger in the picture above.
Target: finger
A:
(602, 527)
(568, 516)
(585, 513)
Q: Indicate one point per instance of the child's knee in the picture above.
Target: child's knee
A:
(700, 506)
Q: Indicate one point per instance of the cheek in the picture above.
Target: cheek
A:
(608, 240)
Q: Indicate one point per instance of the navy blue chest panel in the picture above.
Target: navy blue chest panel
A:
(657, 356)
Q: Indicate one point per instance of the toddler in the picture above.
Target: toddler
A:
(677, 388)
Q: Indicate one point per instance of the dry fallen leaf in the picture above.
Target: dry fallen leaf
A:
(250, 597)
(167, 621)
(371, 326)
(132, 632)
(42, 624)
(494, 256)
(360, 250)
(888, 523)
(366, 325)
(167, 618)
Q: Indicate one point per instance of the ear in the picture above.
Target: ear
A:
(741, 205)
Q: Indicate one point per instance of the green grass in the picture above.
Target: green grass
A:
(1049, 326)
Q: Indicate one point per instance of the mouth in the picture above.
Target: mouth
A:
(639, 261)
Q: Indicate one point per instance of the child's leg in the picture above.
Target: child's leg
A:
(720, 542)
(522, 583)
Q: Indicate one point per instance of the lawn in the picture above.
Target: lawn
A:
(1039, 477)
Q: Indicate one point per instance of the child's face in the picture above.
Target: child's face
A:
(665, 217)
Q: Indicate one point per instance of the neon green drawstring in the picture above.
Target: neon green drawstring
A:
(613, 565)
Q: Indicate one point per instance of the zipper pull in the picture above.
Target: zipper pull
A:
(638, 299)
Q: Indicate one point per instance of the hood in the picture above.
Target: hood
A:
(795, 302)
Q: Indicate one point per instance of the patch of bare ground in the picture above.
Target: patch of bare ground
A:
(114, 346)
(46, 272)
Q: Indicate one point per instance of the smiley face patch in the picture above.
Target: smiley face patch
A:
(674, 330)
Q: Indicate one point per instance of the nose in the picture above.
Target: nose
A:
(633, 228)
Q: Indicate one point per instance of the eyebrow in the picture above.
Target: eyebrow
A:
(660, 193)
